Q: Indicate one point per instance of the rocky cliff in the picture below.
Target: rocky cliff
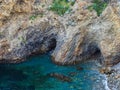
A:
(27, 27)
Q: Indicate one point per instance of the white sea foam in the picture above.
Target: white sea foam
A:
(104, 81)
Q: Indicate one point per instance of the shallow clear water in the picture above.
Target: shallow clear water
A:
(33, 75)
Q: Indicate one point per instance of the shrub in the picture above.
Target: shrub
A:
(98, 6)
(61, 6)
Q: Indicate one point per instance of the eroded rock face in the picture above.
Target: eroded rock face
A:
(29, 39)
(14, 6)
(109, 43)
(74, 37)
(26, 28)
(94, 34)
(72, 45)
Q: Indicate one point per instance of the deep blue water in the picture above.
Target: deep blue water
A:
(33, 75)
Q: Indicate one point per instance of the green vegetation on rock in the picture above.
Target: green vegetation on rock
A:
(98, 6)
(61, 6)
(33, 17)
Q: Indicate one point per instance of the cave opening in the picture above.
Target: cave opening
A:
(52, 44)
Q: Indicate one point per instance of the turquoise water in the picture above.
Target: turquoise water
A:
(33, 75)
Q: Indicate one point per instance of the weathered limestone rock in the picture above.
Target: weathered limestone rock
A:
(6, 7)
(110, 43)
(23, 6)
(97, 34)
(14, 6)
(74, 37)
(72, 45)
(114, 78)
(26, 28)
(30, 39)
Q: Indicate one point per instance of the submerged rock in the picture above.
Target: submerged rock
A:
(73, 74)
(60, 77)
(79, 68)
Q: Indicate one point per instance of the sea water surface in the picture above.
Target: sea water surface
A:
(33, 75)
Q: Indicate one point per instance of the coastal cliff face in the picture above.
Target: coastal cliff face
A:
(27, 27)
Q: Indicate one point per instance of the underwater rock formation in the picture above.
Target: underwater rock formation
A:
(60, 77)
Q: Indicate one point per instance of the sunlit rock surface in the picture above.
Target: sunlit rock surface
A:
(76, 36)
(27, 27)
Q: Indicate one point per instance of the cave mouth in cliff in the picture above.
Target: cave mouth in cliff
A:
(52, 44)
(95, 52)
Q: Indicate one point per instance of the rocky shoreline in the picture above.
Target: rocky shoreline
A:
(28, 27)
